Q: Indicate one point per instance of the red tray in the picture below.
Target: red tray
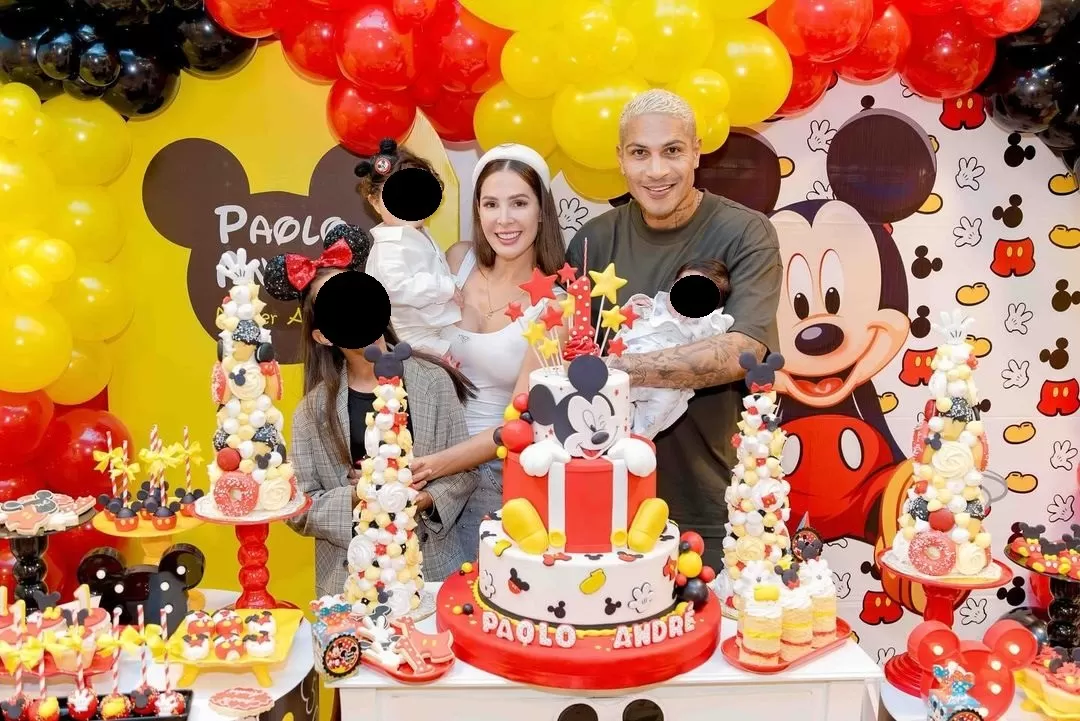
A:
(405, 673)
(730, 649)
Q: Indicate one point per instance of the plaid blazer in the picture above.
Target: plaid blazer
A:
(438, 422)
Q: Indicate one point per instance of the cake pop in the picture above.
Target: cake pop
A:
(116, 705)
(15, 708)
(144, 697)
(169, 702)
(44, 707)
(82, 703)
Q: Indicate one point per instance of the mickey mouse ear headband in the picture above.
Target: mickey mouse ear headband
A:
(381, 163)
(288, 276)
(513, 151)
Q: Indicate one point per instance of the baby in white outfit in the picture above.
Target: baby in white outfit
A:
(407, 261)
(660, 326)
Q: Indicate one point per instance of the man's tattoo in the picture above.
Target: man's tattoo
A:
(710, 362)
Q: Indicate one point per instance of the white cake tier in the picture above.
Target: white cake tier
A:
(586, 421)
(581, 589)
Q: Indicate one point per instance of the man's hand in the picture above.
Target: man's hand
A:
(710, 362)
(423, 501)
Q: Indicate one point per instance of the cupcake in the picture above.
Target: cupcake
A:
(259, 645)
(797, 628)
(816, 578)
(66, 646)
(761, 625)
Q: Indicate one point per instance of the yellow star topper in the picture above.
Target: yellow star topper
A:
(549, 347)
(568, 306)
(535, 333)
(612, 318)
(606, 283)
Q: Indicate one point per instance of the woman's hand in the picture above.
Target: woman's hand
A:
(425, 469)
(423, 501)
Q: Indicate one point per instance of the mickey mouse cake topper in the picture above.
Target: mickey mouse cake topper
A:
(760, 376)
(391, 363)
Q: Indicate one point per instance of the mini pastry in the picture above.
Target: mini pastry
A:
(82, 704)
(229, 648)
(15, 708)
(144, 701)
(45, 709)
(259, 622)
(164, 518)
(196, 647)
(170, 703)
(126, 520)
(259, 645)
(227, 623)
(198, 622)
(115, 706)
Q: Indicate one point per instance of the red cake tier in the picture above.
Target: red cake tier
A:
(631, 656)
(595, 498)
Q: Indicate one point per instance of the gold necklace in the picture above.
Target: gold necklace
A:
(487, 290)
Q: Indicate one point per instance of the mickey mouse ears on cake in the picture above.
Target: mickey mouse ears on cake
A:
(760, 375)
(390, 364)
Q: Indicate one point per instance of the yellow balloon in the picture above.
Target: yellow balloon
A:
(19, 247)
(41, 138)
(91, 144)
(26, 185)
(586, 119)
(672, 36)
(515, 14)
(503, 116)
(95, 301)
(530, 63)
(756, 66)
(588, 23)
(24, 283)
(583, 63)
(556, 162)
(86, 375)
(19, 106)
(602, 185)
(35, 343)
(54, 259)
(87, 217)
(705, 90)
(714, 133)
(737, 9)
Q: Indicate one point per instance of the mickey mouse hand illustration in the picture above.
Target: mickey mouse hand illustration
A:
(821, 135)
(571, 213)
(973, 611)
(819, 191)
(969, 232)
(1063, 455)
(968, 173)
(1061, 508)
(1015, 374)
(1017, 318)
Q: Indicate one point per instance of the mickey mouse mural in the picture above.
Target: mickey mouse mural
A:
(842, 318)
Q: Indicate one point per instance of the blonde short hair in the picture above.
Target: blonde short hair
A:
(657, 102)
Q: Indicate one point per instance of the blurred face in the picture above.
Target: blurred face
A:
(509, 214)
(389, 218)
(658, 157)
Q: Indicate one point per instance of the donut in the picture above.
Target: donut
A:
(218, 384)
(236, 494)
(932, 553)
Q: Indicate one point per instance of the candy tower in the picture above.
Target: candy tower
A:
(757, 498)
(249, 472)
(942, 533)
(384, 555)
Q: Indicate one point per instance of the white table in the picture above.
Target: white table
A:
(842, 686)
(287, 677)
(903, 707)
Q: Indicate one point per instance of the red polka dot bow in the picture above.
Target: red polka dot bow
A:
(301, 270)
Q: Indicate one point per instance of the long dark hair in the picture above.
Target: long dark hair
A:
(549, 249)
(324, 364)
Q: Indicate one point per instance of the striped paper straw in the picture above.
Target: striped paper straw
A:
(41, 677)
(108, 442)
(164, 633)
(142, 660)
(116, 653)
(187, 461)
(124, 479)
(18, 659)
(154, 441)
(80, 681)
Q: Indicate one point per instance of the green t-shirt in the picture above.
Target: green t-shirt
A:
(695, 455)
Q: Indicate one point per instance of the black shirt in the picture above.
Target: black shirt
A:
(360, 404)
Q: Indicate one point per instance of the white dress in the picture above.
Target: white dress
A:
(659, 327)
(414, 271)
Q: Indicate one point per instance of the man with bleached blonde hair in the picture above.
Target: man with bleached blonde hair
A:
(668, 223)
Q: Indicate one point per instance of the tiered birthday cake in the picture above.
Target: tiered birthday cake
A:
(942, 534)
(250, 477)
(384, 555)
(582, 581)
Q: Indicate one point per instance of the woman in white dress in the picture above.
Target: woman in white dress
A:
(515, 229)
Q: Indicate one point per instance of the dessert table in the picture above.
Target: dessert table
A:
(842, 685)
(899, 706)
(295, 688)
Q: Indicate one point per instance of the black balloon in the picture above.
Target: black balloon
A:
(211, 51)
(187, 4)
(1054, 16)
(83, 90)
(696, 591)
(146, 85)
(58, 54)
(1033, 619)
(1063, 132)
(99, 65)
(1024, 86)
(21, 29)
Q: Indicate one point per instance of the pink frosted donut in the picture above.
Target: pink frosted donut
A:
(932, 553)
(236, 493)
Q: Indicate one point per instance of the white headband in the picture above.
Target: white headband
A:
(513, 151)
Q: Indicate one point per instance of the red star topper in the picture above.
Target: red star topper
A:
(567, 273)
(552, 316)
(616, 347)
(539, 286)
(630, 315)
(513, 311)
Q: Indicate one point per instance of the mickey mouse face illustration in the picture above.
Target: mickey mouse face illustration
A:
(584, 420)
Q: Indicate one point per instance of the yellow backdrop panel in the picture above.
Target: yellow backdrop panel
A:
(273, 123)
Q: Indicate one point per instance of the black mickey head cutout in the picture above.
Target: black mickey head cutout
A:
(920, 325)
(1016, 155)
(1062, 300)
(41, 601)
(558, 610)
(1057, 358)
(487, 534)
(1011, 216)
(695, 296)
(760, 374)
(392, 362)
(610, 606)
(923, 266)
(870, 569)
(154, 587)
(983, 406)
(1014, 594)
(15, 708)
(412, 194)
(515, 583)
(352, 310)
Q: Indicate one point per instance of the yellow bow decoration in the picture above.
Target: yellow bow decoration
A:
(71, 641)
(132, 641)
(30, 655)
(191, 453)
(108, 644)
(128, 471)
(107, 460)
(158, 461)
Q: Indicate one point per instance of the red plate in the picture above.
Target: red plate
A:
(405, 673)
(730, 649)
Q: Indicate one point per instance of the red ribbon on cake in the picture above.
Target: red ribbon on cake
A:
(761, 387)
(301, 270)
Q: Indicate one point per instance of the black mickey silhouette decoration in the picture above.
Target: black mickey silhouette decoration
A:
(391, 363)
(760, 375)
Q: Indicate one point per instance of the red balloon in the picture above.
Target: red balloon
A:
(809, 82)
(18, 481)
(360, 118)
(100, 402)
(461, 51)
(66, 551)
(516, 435)
(375, 50)
(70, 443)
(414, 12)
(306, 32)
(881, 52)
(247, 18)
(24, 417)
(824, 30)
(926, 7)
(452, 116)
(1012, 16)
(947, 58)
(981, 8)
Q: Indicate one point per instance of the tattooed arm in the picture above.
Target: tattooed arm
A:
(706, 363)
